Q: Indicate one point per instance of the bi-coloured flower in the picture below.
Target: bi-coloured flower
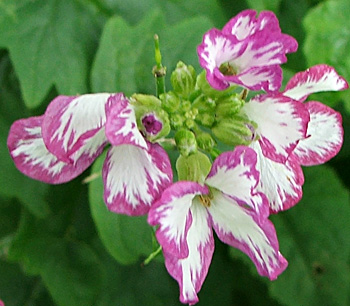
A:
(248, 52)
(61, 144)
(226, 202)
(306, 139)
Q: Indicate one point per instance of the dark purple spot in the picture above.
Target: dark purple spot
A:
(152, 124)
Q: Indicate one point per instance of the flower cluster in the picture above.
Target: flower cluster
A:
(270, 136)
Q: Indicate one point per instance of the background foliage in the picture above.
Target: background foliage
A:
(60, 246)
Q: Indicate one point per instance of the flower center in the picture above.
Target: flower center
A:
(205, 200)
(152, 124)
(228, 69)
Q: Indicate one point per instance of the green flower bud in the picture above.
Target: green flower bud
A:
(236, 130)
(145, 100)
(204, 86)
(183, 79)
(204, 104)
(185, 106)
(194, 167)
(186, 142)
(176, 121)
(170, 101)
(228, 106)
(205, 141)
(206, 119)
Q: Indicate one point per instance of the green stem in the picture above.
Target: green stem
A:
(152, 256)
(158, 71)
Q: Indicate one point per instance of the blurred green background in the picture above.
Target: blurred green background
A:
(60, 246)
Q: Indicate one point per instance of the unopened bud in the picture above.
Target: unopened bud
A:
(205, 142)
(228, 106)
(145, 100)
(206, 119)
(170, 101)
(183, 79)
(186, 142)
(236, 130)
(176, 121)
(204, 104)
(194, 167)
(153, 123)
(205, 87)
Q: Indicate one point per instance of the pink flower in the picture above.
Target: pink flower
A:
(187, 212)
(282, 178)
(61, 144)
(247, 52)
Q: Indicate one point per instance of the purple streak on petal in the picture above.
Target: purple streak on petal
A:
(325, 135)
(172, 213)
(71, 122)
(134, 178)
(32, 158)
(243, 229)
(315, 79)
(121, 126)
(190, 272)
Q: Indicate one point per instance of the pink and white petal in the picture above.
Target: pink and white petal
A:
(268, 78)
(325, 133)
(216, 49)
(315, 79)
(134, 178)
(240, 228)
(172, 213)
(190, 272)
(70, 122)
(280, 182)
(32, 158)
(235, 174)
(242, 25)
(281, 121)
(121, 126)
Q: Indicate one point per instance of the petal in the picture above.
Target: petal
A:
(281, 121)
(71, 122)
(235, 174)
(121, 126)
(191, 271)
(242, 25)
(239, 227)
(32, 158)
(325, 133)
(315, 79)
(172, 213)
(280, 182)
(216, 49)
(134, 178)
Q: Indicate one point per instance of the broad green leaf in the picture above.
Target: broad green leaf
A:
(260, 5)
(48, 42)
(314, 236)
(126, 238)
(327, 41)
(120, 46)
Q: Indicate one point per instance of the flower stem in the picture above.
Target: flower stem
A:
(158, 71)
(152, 256)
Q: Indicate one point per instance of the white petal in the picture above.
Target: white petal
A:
(71, 122)
(239, 227)
(134, 178)
(325, 133)
(315, 79)
(280, 182)
(191, 271)
(282, 122)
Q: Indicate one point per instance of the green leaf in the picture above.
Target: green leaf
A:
(121, 44)
(126, 238)
(47, 41)
(260, 5)
(328, 41)
(314, 237)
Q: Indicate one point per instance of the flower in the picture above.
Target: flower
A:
(247, 52)
(282, 178)
(61, 144)
(187, 211)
